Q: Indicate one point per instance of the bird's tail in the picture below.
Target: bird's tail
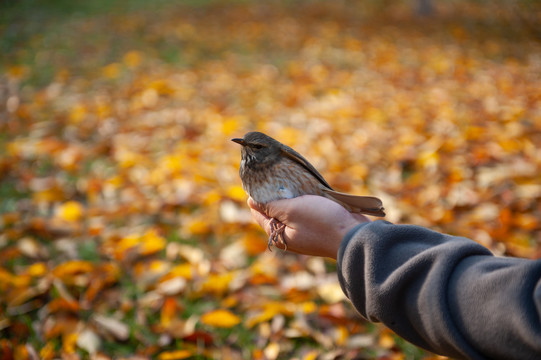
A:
(368, 205)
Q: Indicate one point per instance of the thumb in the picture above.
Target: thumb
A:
(275, 209)
(259, 215)
(256, 206)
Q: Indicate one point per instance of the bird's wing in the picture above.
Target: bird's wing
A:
(369, 205)
(298, 158)
(365, 204)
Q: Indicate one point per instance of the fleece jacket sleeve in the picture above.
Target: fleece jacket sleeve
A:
(444, 293)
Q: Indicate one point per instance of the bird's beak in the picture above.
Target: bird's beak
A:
(238, 141)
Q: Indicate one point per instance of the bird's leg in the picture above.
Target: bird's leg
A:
(277, 233)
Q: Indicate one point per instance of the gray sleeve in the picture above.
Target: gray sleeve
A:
(444, 293)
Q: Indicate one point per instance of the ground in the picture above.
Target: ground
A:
(125, 230)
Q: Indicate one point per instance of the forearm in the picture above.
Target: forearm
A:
(444, 293)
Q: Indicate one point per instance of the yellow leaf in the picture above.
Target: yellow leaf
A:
(69, 342)
(127, 158)
(386, 340)
(229, 301)
(271, 309)
(342, 335)
(220, 318)
(308, 307)
(47, 352)
(125, 244)
(311, 355)
(211, 197)
(151, 243)
(279, 307)
(198, 227)
(111, 71)
(103, 110)
(132, 59)
(70, 211)
(71, 268)
(161, 87)
(172, 163)
(259, 318)
(217, 283)
(236, 192)
(78, 113)
(37, 269)
(428, 159)
(175, 355)
(115, 181)
(183, 270)
(158, 266)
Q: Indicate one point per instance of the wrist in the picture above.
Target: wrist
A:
(346, 229)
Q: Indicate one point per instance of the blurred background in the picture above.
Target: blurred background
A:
(124, 227)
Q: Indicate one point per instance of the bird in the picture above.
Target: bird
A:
(270, 170)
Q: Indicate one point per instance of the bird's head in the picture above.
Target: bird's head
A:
(258, 149)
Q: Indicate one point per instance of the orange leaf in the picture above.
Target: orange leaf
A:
(254, 244)
(70, 271)
(61, 304)
(168, 311)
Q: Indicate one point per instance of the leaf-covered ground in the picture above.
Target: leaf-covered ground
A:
(124, 228)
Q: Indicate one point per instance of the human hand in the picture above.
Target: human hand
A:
(314, 225)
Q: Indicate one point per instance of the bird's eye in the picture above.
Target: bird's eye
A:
(257, 146)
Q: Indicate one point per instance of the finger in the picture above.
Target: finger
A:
(255, 205)
(263, 220)
(270, 210)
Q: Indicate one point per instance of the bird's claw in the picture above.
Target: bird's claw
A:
(277, 234)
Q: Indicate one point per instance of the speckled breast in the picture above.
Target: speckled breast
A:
(283, 180)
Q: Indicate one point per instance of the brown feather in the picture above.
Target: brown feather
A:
(298, 158)
(369, 205)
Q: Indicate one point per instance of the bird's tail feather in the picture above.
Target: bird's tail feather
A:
(369, 205)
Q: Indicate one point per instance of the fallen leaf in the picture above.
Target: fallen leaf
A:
(175, 355)
(220, 318)
(70, 211)
(112, 326)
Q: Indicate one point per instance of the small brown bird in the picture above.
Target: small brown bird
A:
(270, 171)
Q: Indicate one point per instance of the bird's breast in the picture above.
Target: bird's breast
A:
(283, 180)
